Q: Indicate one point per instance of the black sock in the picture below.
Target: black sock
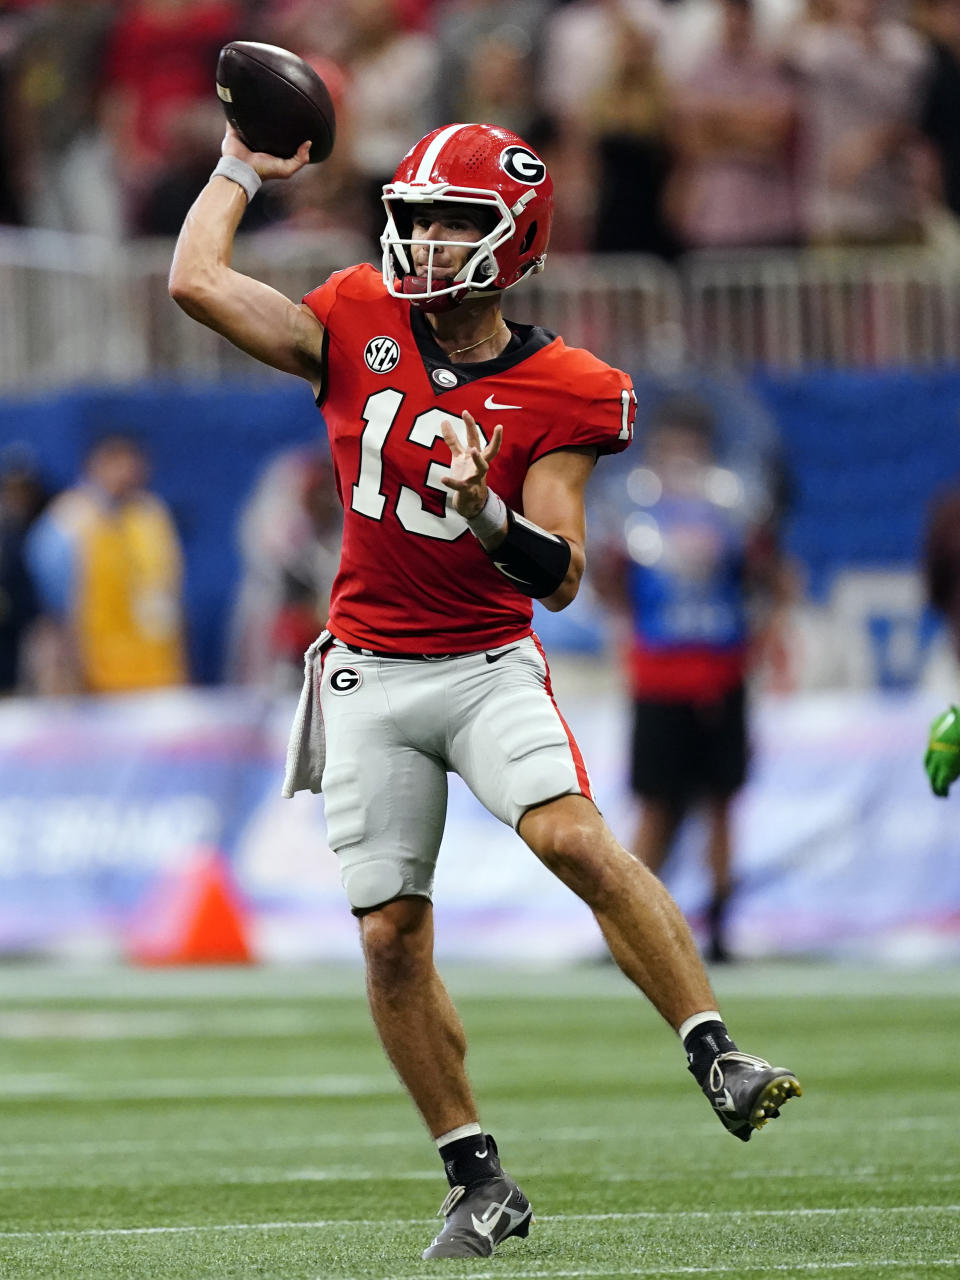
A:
(703, 1044)
(469, 1160)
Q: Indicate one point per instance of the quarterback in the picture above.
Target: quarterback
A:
(462, 444)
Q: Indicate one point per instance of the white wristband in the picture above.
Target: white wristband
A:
(490, 519)
(238, 171)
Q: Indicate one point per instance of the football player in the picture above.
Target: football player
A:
(462, 444)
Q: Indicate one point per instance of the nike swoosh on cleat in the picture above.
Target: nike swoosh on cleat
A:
(486, 1225)
(482, 1155)
(494, 657)
(490, 403)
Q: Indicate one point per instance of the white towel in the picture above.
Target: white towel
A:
(307, 748)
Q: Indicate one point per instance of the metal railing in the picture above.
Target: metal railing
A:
(76, 310)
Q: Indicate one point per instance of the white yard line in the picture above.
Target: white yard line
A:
(646, 1216)
(332, 1086)
(791, 1268)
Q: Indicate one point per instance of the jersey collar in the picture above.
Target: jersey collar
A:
(526, 339)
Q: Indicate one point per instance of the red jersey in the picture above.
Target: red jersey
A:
(412, 577)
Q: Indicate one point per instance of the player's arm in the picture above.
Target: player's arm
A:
(256, 318)
(540, 552)
(553, 500)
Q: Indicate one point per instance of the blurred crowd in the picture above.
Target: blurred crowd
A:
(669, 125)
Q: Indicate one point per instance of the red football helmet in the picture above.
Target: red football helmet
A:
(468, 164)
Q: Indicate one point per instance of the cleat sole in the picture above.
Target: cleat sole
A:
(768, 1104)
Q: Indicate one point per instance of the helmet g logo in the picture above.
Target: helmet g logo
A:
(381, 354)
(520, 163)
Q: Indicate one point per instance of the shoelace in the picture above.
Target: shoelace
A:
(451, 1200)
(715, 1079)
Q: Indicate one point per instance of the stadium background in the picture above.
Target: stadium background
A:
(841, 361)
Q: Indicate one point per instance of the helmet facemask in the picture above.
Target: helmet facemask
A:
(478, 275)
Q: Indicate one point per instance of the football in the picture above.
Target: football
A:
(275, 100)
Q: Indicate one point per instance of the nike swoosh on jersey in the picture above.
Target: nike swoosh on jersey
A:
(490, 403)
(495, 657)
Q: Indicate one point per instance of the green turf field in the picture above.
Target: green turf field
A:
(198, 1125)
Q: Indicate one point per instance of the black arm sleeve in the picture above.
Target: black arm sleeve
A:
(536, 562)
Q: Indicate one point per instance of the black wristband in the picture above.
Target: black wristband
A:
(536, 562)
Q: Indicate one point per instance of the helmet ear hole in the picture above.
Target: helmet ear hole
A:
(529, 238)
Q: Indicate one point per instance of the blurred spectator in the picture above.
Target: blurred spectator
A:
(22, 497)
(512, 30)
(498, 83)
(693, 566)
(941, 561)
(391, 77)
(579, 56)
(940, 109)
(64, 167)
(734, 184)
(580, 46)
(106, 562)
(859, 78)
(290, 533)
(628, 119)
(161, 61)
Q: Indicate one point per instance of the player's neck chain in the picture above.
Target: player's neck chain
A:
(460, 351)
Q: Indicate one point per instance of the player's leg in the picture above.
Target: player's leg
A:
(658, 778)
(518, 756)
(418, 1025)
(719, 863)
(652, 944)
(642, 925)
(385, 788)
(656, 830)
(424, 1039)
(726, 753)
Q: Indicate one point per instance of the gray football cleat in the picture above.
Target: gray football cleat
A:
(480, 1217)
(746, 1091)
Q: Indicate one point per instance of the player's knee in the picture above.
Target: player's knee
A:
(575, 844)
(396, 940)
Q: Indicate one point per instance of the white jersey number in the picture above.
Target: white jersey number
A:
(380, 415)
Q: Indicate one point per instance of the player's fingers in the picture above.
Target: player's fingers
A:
(493, 448)
(450, 437)
(473, 433)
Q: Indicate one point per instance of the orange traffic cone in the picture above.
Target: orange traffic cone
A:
(193, 916)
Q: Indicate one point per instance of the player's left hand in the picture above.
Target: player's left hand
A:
(469, 466)
(942, 761)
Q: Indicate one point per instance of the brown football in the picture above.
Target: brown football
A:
(275, 100)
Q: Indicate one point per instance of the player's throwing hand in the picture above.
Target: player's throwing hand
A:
(264, 165)
(469, 466)
(942, 761)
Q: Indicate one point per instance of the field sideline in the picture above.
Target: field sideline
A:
(232, 1125)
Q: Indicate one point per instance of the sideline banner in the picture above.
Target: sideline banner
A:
(841, 848)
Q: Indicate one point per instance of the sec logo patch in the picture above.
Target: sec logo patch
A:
(345, 680)
(382, 354)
